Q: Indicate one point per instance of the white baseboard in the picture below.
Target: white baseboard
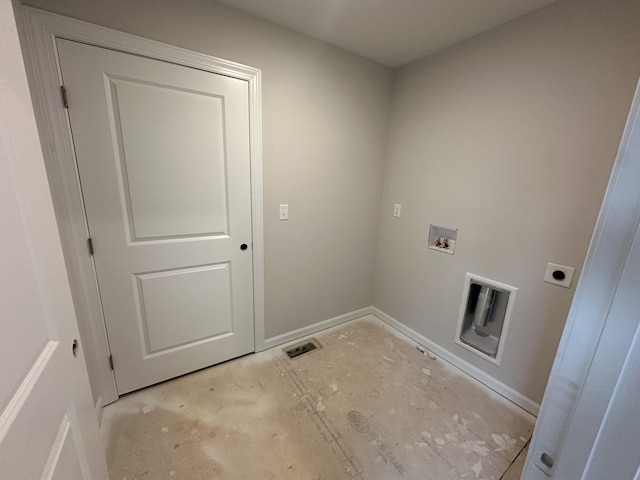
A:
(99, 409)
(484, 378)
(311, 329)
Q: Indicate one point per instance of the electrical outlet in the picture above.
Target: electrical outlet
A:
(284, 211)
(397, 208)
(559, 275)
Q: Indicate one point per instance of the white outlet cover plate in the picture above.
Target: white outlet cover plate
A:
(284, 211)
(397, 210)
(568, 275)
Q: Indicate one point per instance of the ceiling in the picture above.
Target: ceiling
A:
(391, 32)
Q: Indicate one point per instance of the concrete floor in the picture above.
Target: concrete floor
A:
(367, 405)
(515, 470)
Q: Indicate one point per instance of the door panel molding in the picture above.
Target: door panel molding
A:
(161, 337)
(42, 30)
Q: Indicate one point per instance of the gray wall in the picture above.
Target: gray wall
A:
(325, 122)
(510, 137)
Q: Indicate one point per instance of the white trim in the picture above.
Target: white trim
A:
(42, 29)
(50, 467)
(99, 409)
(502, 341)
(315, 328)
(255, 119)
(484, 378)
(25, 388)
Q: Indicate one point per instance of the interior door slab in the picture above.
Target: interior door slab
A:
(163, 157)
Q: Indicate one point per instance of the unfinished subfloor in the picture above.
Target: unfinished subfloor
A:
(367, 405)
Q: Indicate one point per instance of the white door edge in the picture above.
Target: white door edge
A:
(42, 29)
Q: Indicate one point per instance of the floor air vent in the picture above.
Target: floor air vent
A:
(302, 348)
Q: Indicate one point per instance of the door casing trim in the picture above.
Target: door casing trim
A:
(41, 30)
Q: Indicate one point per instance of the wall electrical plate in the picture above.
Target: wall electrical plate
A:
(397, 210)
(559, 275)
(284, 211)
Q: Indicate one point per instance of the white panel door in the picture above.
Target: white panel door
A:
(48, 424)
(163, 157)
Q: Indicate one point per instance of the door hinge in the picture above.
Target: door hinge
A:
(111, 361)
(90, 245)
(63, 93)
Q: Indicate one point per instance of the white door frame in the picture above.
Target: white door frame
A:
(43, 28)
